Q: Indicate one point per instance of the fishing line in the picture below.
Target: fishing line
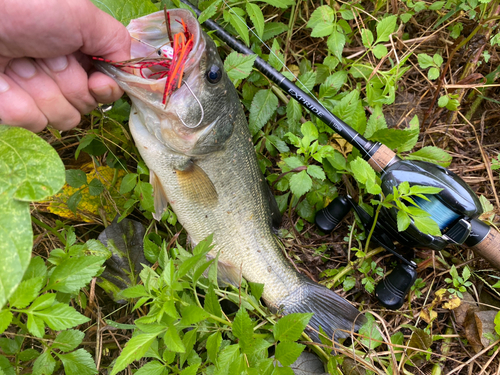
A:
(438, 211)
(353, 139)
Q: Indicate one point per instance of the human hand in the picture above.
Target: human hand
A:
(46, 74)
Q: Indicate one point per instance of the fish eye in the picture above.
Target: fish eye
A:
(214, 74)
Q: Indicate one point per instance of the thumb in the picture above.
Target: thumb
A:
(103, 35)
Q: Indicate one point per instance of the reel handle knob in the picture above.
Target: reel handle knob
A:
(391, 291)
(330, 216)
(485, 241)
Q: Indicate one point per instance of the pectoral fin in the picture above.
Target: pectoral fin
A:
(197, 186)
(159, 196)
(227, 273)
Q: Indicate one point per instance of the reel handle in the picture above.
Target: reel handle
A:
(485, 241)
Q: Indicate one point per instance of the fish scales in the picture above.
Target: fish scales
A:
(203, 163)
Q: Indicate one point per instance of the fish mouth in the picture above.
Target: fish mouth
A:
(157, 66)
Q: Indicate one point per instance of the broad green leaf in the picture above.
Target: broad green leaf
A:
(212, 305)
(316, 171)
(280, 3)
(375, 122)
(95, 187)
(45, 364)
(243, 328)
(264, 104)
(68, 340)
(403, 220)
(151, 368)
(433, 74)
(307, 81)
(144, 190)
(350, 110)
(293, 111)
(126, 10)
(5, 320)
(193, 314)
(300, 183)
(238, 66)
(336, 43)
(380, 51)
(36, 268)
(308, 129)
(272, 29)
(79, 362)
(424, 60)
(333, 84)
(365, 174)
(76, 178)
(290, 327)
(35, 325)
(16, 238)
(128, 183)
(60, 316)
(30, 169)
(385, 28)
(173, 341)
(213, 345)
(257, 18)
(239, 25)
(135, 349)
(43, 302)
(431, 154)
(427, 225)
(26, 292)
(276, 58)
(497, 323)
(367, 37)
(371, 332)
(74, 273)
(209, 11)
(288, 352)
(396, 138)
(226, 357)
(321, 21)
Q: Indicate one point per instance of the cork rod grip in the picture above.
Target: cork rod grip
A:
(381, 158)
(489, 248)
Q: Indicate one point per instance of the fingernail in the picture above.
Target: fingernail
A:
(57, 64)
(102, 92)
(4, 85)
(23, 68)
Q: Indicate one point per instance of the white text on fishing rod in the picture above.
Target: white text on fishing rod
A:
(309, 105)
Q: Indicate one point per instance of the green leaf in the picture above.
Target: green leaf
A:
(76, 178)
(333, 84)
(239, 25)
(300, 183)
(128, 183)
(431, 154)
(264, 104)
(68, 340)
(276, 58)
(280, 3)
(427, 225)
(362, 171)
(316, 171)
(79, 362)
(30, 169)
(385, 28)
(290, 327)
(375, 122)
(74, 273)
(367, 37)
(193, 314)
(26, 292)
(35, 325)
(380, 51)
(60, 316)
(74, 200)
(424, 60)
(307, 81)
(257, 18)
(213, 345)
(151, 368)
(173, 341)
(144, 190)
(44, 365)
(126, 10)
(135, 349)
(212, 305)
(226, 357)
(257, 289)
(209, 11)
(336, 43)
(403, 220)
(272, 29)
(433, 74)
(350, 110)
(321, 21)
(371, 332)
(5, 320)
(497, 323)
(238, 66)
(95, 187)
(16, 241)
(396, 138)
(243, 328)
(288, 352)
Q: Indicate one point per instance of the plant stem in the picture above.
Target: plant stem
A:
(50, 229)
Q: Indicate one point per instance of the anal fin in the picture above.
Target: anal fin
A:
(159, 196)
(196, 185)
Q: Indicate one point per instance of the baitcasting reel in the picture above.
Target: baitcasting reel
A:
(455, 209)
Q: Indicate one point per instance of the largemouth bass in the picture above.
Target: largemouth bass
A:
(202, 162)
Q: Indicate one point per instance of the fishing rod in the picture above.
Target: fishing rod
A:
(455, 209)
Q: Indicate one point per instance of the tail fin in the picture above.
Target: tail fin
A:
(333, 313)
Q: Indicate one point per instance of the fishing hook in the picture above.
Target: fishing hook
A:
(199, 103)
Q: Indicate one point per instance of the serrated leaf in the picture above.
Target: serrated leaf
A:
(173, 341)
(403, 220)
(288, 352)
(76, 178)
(135, 349)
(209, 11)
(79, 362)
(424, 60)
(336, 43)
(74, 273)
(431, 154)
(375, 122)
(427, 225)
(362, 171)
(240, 26)
(385, 28)
(264, 104)
(276, 59)
(380, 51)
(433, 74)
(193, 314)
(226, 357)
(307, 81)
(5, 320)
(333, 84)
(95, 187)
(35, 325)
(316, 171)
(280, 3)
(300, 183)
(44, 364)
(151, 368)
(60, 316)
(321, 21)
(128, 183)
(372, 336)
(212, 303)
(272, 29)
(396, 138)
(367, 37)
(350, 110)
(68, 340)
(243, 328)
(257, 18)
(290, 327)
(238, 66)
(213, 345)
(126, 10)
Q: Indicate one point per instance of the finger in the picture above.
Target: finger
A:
(18, 108)
(103, 88)
(45, 92)
(72, 80)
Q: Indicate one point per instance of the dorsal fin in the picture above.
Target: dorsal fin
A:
(196, 185)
